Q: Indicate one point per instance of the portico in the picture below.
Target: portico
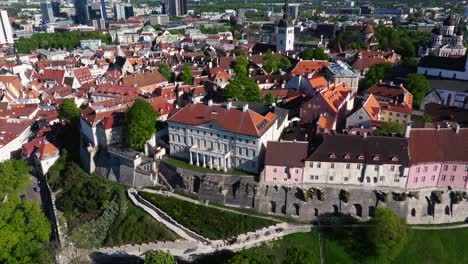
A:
(209, 158)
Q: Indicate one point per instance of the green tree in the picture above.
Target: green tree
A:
(139, 124)
(243, 89)
(270, 62)
(319, 54)
(299, 256)
(387, 234)
(68, 110)
(241, 66)
(269, 99)
(285, 63)
(159, 257)
(418, 86)
(24, 229)
(389, 128)
(187, 75)
(376, 73)
(166, 71)
(307, 54)
(251, 257)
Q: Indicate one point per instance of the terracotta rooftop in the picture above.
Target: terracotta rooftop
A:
(286, 153)
(233, 120)
(309, 66)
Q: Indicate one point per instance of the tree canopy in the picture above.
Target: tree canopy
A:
(272, 63)
(187, 75)
(243, 89)
(166, 71)
(389, 128)
(24, 229)
(159, 257)
(269, 99)
(68, 110)
(241, 66)
(404, 41)
(418, 86)
(317, 54)
(387, 234)
(139, 124)
(376, 73)
(66, 40)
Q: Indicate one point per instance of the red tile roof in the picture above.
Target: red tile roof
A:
(286, 153)
(309, 66)
(233, 120)
(429, 145)
(46, 151)
(53, 75)
(146, 79)
(83, 75)
(10, 130)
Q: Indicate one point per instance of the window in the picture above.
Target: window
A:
(331, 178)
(376, 168)
(285, 170)
(358, 166)
(311, 164)
(316, 177)
(360, 117)
(433, 178)
(466, 168)
(445, 167)
(392, 168)
(382, 178)
(311, 177)
(465, 178)
(391, 113)
(416, 180)
(332, 165)
(452, 178)
(295, 179)
(319, 165)
(418, 169)
(425, 168)
(454, 167)
(297, 171)
(274, 179)
(346, 179)
(274, 170)
(348, 166)
(434, 168)
(423, 179)
(443, 178)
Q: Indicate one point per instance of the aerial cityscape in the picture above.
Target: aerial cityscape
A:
(233, 131)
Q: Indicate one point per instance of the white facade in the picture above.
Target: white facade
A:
(362, 174)
(14, 145)
(6, 34)
(458, 75)
(284, 39)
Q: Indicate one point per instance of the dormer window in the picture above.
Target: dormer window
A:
(375, 158)
(347, 156)
(360, 157)
(332, 156)
(394, 158)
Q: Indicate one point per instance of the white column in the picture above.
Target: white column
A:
(217, 163)
(191, 160)
(198, 163)
(204, 160)
(228, 162)
(211, 162)
(224, 164)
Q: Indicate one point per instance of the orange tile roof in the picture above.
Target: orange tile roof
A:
(318, 82)
(309, 66)
(334, 95)
(372, 107)
(325, 121)
(47, 151)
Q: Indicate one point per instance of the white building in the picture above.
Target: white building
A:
(446, 40)
(285, 32)
(221, 137)
(13, 134)
(451, 68)
(360, 161)
(46, 156)
(6, 34)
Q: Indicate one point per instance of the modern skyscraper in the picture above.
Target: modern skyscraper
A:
(177, 7)
(123, 11)
(56, 8)
(285, 31)
(81, 12)
(47, 13)
(6, 34)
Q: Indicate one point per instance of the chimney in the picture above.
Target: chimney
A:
(457, 128)
(229, 105)
(365, 134)
(438, 127)
(245, 108)
(210, 102)
(407, 130)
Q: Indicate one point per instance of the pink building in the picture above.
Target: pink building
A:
(439, 158)
(284, 161)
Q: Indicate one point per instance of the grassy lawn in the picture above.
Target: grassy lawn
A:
(206, 221)
(136, 226)
(182, 164)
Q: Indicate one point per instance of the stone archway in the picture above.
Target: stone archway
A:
(335, 209)
(371, 211)
(358, 210)
(413, 212)
(316, 212)
(272, 207)
(296, 209)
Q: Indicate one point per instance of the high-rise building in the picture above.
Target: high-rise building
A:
(81, 11)
(56, 8)
(177, 7)
(47, 13)
(6, 34)
(285, 31)
(123, 11)
(294, 10)
(95, 11)
(103, 9)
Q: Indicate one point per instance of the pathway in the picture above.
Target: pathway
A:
(439, 227)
